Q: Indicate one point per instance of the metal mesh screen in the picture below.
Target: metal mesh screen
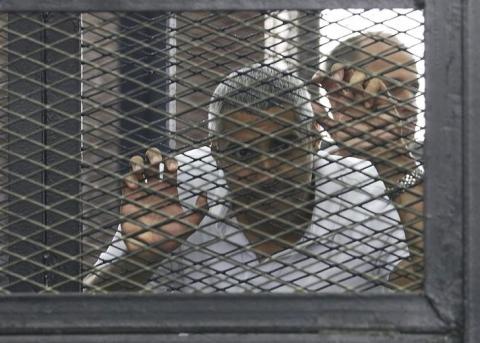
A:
(200, 152)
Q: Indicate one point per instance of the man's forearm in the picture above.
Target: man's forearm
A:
(126, 274)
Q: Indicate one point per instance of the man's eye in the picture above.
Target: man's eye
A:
(244, 154)
(281, 146)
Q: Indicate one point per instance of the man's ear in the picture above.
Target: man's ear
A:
(215, 150)
(315, 130)
(214, 145)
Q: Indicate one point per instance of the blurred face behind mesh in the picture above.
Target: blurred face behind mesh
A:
(399, 74)
(268, 168)
(396, 69)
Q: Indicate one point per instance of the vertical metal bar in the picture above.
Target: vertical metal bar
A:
(144, 67)
(26, 117)
(308, 47)
(172, 86)
(472, 170)
(63, 235)
(443, 159)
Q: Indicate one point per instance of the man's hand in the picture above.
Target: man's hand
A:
(364, 112)
(155, 221)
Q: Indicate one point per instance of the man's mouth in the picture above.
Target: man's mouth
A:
(266, 189)
(271, 194)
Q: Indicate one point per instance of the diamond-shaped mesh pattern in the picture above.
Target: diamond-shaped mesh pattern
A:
(204, 152)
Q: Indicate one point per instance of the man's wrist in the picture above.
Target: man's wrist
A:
(408, 181)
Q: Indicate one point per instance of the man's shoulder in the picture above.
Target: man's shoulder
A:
(352, 181)
(344, 167)
(199, 159)
(203, 153)
(198, 172)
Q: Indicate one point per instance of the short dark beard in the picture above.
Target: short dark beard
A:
(292, 222)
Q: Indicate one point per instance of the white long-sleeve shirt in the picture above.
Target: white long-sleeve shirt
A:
(354, 240)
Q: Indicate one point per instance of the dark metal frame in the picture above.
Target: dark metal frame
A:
(471, 142)
(38, 164)
(449, 309)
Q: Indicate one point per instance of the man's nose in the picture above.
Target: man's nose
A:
(265, 169)
(266, 164)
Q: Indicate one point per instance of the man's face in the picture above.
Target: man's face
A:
(267, 163)
(399, 74)
(397, 71)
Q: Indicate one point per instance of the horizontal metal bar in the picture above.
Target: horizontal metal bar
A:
(244, 338)
(188, 5)
(121, 313)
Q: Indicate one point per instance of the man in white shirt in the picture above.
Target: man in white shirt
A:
(259, 211)
(372, 83)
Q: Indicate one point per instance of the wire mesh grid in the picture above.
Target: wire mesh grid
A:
(210, 152)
